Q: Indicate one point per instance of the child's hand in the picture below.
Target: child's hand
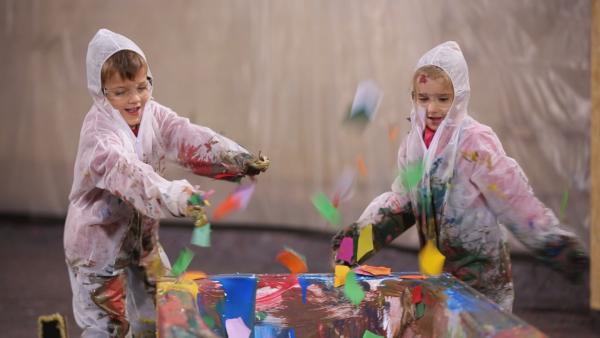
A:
(256, 165)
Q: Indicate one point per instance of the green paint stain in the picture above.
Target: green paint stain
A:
(208, 321)
(182, 262)
(324, 206)
(420, 310)
(352, 289)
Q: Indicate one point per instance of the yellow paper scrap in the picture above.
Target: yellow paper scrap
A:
(365, 242)
(185, 285)
(431, 260)
(340, 275)
(193, 275)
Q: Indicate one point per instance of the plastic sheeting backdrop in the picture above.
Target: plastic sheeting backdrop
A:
(278, 77)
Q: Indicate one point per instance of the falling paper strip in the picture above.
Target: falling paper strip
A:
(343, 187)
(201, 235)
(366, 101)
(229, 205)
(369, 334)
(412, 175)
(292, 260)
(393, 133)
(243, 194)
(563, 204)
(340, 275)
(431, 260)
(368, 270)
(236, 328)
(182, 262)
(346, 250)
(324, 206)
(353, 290)
(362, 166)
(365, 242)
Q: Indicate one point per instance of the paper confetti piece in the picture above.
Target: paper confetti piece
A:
(369, 270)
(182, 262)
(563, 204)
(353, 290)
(193, 275)
(393, 133)
(236, 328)
(340, 275)
(229, 205)
(195, 199)
(293, 261)
(362, 166)
(324, 206)
(201, 236)
(431, 260)
(346, 250)
(343, 187)
(243, 194)
(412, 175)
(366, 102)
(369, 334)
(417, 294)
(365, 242)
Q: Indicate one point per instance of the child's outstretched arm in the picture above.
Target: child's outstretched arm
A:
(120, 172)
(204, 151)
(508, 194)
(389, 214)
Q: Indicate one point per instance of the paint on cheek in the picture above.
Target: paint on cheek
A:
(422, 78)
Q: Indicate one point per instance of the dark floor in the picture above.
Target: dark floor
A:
(34, 279)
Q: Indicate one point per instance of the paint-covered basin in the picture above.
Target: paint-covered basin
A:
(308, 305)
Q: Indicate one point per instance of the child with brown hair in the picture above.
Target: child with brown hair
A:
(119, 193)
(466, 187)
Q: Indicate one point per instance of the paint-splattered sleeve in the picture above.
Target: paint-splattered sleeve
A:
(202, 150)
(508, 193)
(113, 168)
(390, 214)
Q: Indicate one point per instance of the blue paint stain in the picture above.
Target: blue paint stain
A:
(240, 300)
(292, 333)
(304, 283)
(457, 301)
(273, 331)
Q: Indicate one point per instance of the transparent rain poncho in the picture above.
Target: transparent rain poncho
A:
(118, 192)
(469, 186)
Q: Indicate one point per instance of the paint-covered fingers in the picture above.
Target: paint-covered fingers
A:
(257, 164)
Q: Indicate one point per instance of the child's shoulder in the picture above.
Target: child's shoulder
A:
(479, 136)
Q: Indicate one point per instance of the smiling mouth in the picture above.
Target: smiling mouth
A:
(133, 111)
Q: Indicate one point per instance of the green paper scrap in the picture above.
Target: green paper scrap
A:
(201, 236)
(208, 321)
(352, 289)
(563, 204)
(420, 310)
(412, 175)
(369, 334)
(195, 200)
(324, 206)
(261, 315)
(182, 262)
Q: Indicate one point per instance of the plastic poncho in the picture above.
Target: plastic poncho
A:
(468, 186)
(117, 177)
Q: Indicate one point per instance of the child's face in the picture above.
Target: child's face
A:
(128, 96)
(436, 96)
